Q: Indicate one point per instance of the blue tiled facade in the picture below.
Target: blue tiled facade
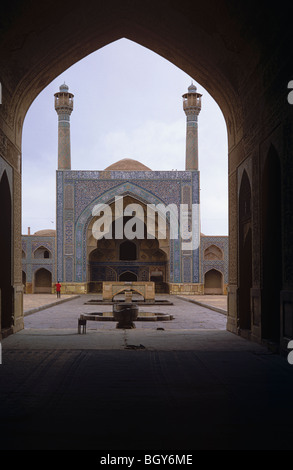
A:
(79, 191)
(221, 265)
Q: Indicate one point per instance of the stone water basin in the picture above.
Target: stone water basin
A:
(142, 316)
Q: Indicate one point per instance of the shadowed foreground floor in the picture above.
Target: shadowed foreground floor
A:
(205, 389)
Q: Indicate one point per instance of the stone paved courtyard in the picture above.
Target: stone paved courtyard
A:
(186, 315)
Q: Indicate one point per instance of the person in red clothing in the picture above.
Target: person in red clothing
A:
(58, 289)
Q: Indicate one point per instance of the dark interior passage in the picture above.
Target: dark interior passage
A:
(5, 253)
(272, 243)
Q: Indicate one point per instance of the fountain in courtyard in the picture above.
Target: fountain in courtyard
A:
(112, 289)
(125, 313)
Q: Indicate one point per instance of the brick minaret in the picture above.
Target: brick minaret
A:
(64, 107)
(192, 107)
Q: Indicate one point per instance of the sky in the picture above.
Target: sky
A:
(127, 104)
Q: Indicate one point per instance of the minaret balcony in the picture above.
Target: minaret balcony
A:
(63, 101)
(192, 102)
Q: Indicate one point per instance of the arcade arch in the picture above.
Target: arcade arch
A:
(271, 225)
(127, 251)
(42, 253)
(249, 84)
(245, 252)
(6, 253)
(128, 276)
(213, 282)
(42, 281)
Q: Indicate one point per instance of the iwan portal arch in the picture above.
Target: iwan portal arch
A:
(85, 242)
(111, 259)
(242, 60)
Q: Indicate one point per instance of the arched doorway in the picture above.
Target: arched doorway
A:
(43, 281)
(271, 247)
(213, 282)
(156, 276)
(5, 253)
(109, 258)
(127, 251)
(128, 276)
(204, 32)
(245, 253)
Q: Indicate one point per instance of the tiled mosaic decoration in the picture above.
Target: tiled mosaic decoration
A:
(79, 191)
(30, 263)
(219, 264)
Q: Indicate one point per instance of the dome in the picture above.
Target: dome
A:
(45, 233)
(192, 88)
(64, 88)
(127, 164)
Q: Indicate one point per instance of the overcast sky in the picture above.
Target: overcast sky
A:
(127, 104)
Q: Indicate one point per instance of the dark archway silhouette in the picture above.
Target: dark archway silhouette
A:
(240, 52)
(43, 281)
(127, 251)
(245, 253)
(213, 282)
(271, 247)
(24, 281)
(157, 277)
(128, 276)
(249, 83)
(5, 254)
